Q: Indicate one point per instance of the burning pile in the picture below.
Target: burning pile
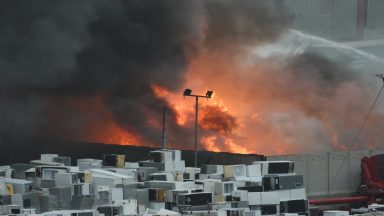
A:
(104, 73)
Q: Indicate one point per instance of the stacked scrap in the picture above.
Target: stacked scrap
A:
(161, 185)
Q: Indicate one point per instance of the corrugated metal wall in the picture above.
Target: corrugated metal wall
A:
(375, 16)
(332, 173)
(344, 19)
(332, 19)
(336, 19)
(375, 20)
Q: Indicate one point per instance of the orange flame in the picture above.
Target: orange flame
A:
(102, 129)
(255, 116)
(209, 143)
(116, 135)
(176, 101)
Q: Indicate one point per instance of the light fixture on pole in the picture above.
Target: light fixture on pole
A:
(188, 92)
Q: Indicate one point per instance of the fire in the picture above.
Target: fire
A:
(247, 114)
(209, 143)
(107, 79)
(263, 108)
(233, 147)
(176, 101)
(102, 129)
(250, 112)
(116, 135)
(214, 116)
(160, 91)
(218, 119)
(107, 130)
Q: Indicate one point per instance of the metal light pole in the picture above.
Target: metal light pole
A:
(187, 92)
(164, 133)
(196, 127)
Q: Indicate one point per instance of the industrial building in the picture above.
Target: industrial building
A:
(355, 23)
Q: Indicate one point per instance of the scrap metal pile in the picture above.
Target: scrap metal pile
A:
(161, 185)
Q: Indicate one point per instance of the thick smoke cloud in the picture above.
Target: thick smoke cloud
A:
(240, 24)
(61, 60)
(38, 46)
(217, 120)
(70, 68)
(305, 102)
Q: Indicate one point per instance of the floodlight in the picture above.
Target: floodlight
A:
(209, 94)
(187, 92)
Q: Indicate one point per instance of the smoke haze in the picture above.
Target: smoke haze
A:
(86, 70)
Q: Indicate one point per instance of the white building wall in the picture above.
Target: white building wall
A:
(331, 173)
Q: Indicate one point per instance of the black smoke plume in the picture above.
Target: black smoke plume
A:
(216, 119)
(57, 56)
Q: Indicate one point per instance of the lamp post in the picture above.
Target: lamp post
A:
(188, 92)
(164, 134)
